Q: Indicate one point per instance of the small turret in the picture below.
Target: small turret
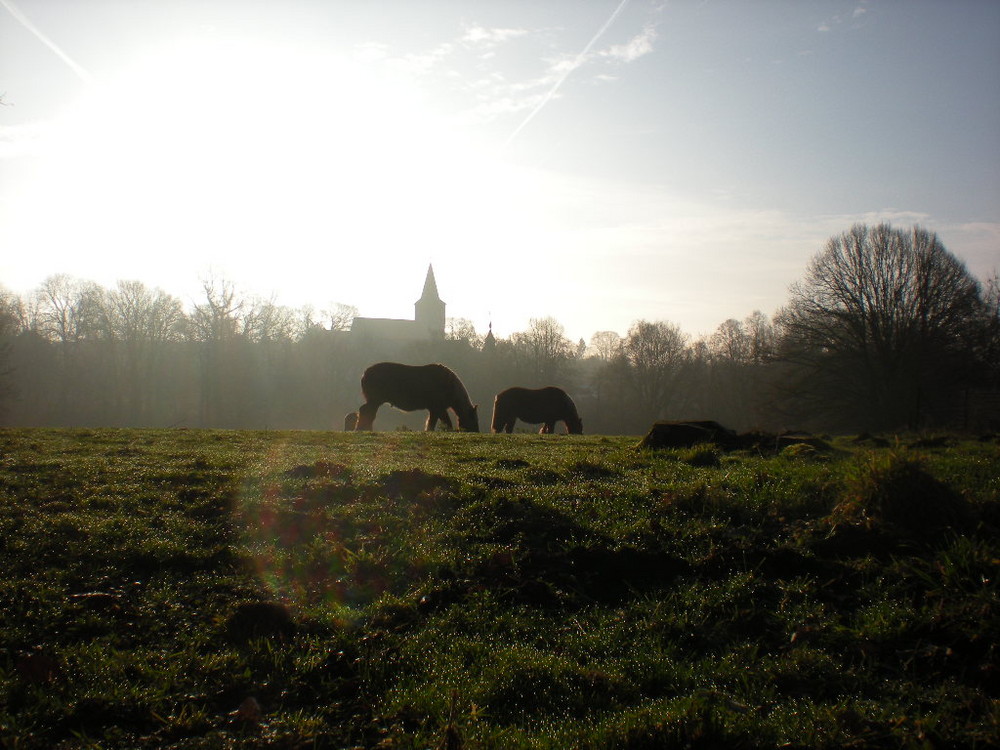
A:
(490, 342)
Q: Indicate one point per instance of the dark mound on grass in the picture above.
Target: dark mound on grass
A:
(874, 441)
(665, 435)
(897, 491)
(253, 620)
(524, 521)
(588, 470)
(512, 463)
(407, 484)
(688, 434)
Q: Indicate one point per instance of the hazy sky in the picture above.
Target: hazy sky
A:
(599, 161)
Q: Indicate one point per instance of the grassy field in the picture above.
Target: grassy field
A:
(245, 589)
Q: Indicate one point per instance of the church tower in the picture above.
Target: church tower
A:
(429, 309)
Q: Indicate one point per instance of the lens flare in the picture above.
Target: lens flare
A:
(329, 534)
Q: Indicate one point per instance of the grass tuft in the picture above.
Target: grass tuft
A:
(897, 489)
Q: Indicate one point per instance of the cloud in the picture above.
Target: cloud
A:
(480, 35)
(838, 19)
(510, 70)
(639, 45)
(567, 67)
(371, 51)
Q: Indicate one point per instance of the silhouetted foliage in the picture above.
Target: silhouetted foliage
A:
(605, 345)
(655, 355)
(544, 350)
(8, 327)
(883, 325)
(988, 349)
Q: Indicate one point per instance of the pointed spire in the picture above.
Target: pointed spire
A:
(429, 309)
(430, 285)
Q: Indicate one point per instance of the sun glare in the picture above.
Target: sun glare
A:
(216, 154)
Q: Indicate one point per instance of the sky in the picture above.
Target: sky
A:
(597, 162)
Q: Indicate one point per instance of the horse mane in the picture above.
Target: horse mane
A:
(460, 394)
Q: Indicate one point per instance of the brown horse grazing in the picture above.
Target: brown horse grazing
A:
(412, 387)
(546, 405)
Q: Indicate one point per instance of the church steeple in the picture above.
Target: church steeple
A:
(429, 309)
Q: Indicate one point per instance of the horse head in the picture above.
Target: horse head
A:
(468, 421)
(574, 425)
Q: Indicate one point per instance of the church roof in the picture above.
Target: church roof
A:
(428, 320)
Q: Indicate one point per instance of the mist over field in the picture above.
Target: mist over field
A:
(886, 330)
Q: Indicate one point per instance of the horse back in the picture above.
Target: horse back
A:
(535, 405)
(410, 387)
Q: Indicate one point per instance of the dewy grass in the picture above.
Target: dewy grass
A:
(245, 589)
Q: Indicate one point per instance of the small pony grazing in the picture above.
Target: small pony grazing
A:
(412, 387)
(546, 405)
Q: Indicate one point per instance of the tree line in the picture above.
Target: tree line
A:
(887, 330)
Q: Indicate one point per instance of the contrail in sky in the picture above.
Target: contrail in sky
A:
(26, 23)
(576, 63)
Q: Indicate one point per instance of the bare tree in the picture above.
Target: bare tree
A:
(341, 316)
(218, 326)
(9, 316)
(218, 317)
(67, 313)
(265, 321)
(989, 347)
(733, 385)
(605, 345)
(750, 341)
(882, 320)
(730, 343)
(545, 347)
(139, 324)
(655, 353)
(135, 313)
(462, 329)
(763, 337)
(68, 309)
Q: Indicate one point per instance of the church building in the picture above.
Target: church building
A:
(428, 319)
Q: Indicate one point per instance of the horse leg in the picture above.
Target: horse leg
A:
(434, 416)
(366, 416)
(509, 426)
(548, 428)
